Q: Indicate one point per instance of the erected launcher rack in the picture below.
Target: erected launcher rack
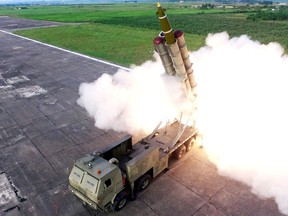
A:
(172, 49)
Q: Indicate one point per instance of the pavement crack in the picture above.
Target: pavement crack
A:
(148, 205)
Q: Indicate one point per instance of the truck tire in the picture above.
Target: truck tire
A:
(143, 182)
(84, 203)
(179, 153)
(189, 144)
(120, 201)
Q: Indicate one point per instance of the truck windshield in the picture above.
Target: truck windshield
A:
(76, 175)
(83, 180)
(90, 183)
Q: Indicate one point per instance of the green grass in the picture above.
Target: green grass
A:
(113, 43)
(90, 13)
(123, 33)
(80, 13)
(203, 24)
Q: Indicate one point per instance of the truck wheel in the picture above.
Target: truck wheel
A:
(143, 182)
(189, 144)
(120, 202)
(179, 153)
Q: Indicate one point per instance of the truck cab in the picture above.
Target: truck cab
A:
(97, 179)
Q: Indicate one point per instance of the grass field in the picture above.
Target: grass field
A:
(120, 45)
(123, 33)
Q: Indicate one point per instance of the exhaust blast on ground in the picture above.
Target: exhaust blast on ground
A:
(243, 111)
(135, 101)
(241, 107)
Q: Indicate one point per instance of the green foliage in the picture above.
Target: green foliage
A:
(118, 44)
(207, 6)
(76, 13)
(203, 24)
(123, 33)
(270, 14)
(88, 13)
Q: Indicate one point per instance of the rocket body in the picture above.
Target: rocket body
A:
(165, 25)
(173, 51)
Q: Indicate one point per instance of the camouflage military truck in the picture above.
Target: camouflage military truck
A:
(105, 180)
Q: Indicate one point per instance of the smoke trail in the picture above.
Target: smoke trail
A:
(134, 101)
(243, 112)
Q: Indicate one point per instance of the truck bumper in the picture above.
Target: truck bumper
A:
(85, 199)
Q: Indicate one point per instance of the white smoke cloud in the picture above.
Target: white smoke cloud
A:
(243, 112)
(242, 88)
(134, 101)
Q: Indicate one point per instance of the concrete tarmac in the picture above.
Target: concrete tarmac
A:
(43, 131)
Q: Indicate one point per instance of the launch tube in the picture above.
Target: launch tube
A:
(178, 64)
(159, 44)
(177, 59)
(179, 35)
(177, 50)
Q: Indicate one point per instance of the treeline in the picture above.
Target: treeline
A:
(207, 6)
(271, 14)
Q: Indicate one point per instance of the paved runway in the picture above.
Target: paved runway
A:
(43, 130)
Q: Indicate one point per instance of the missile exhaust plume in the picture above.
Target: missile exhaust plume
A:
(243, 112)
(134, 101)
(241, 102)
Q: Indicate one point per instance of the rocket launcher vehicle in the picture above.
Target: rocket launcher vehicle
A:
(172, 49)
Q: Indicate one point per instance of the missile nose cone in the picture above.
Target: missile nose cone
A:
(178, 33)
(158, 40)
(160, 11)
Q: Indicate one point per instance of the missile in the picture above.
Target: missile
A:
(165, 25)
(172, 49)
